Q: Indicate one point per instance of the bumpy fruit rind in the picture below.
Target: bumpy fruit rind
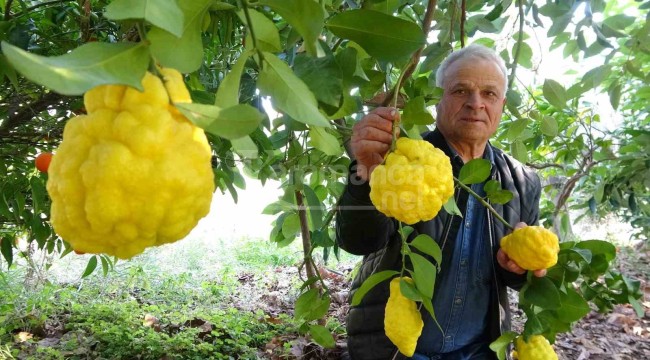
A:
(415, 181)
(133, 172)
(537, 348)
(532, 247)
(402, 321)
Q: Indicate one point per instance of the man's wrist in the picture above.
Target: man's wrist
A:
(358, 187)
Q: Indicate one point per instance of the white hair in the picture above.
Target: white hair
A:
(474, 51)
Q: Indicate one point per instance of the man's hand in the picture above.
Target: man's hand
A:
(371, 139)
(510, 265)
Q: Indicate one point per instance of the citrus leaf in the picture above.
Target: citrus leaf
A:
(92, 264)
(184, 54)
(306, 16)
(370, 283)
(7, 250)
(409, 290)
(549, 126)
(475, 171)
(424, 274)
(500, 345)
(451, 207)
(311, 306)
(555, 93)
(83, 68)
(288, 93)
(519, 151)
(599, 247)
(415, 112)
(266, 33)
(291, 226)
(543, 293)
(383, 36)
(573, 308)
(324, 141)
(500, 197)
(314, 206)
(322, 336)
(230, 123)
(228, 91)
(244, 147)
(427, 245)
(164, 14)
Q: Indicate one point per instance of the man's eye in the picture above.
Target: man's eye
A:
(459, 91)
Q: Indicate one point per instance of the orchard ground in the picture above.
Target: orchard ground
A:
(226, 292)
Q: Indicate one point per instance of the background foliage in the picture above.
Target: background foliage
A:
(320, 67)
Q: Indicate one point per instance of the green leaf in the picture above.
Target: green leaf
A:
(314, 206)
(322, 336)
(288, 93)
(555, 93)
(549, 126)
(424, 274)
(451, 207)
(519, 151)
(185, 53)
(427, 245)
(614, 92)
(500, 345)
(324, 141)
(322, 75)
(599, 247)
(291, 225)
(543, 293)
(245, 147)
(311, 306)
(83, 68)
(266, 33)
(370, 283)
(306, 16)
(104, 265)
(573, 308)
(164, 14)
(230, 123)
(92, 264)
(500, 197)
(475, 171)
(409, 290)
(7, 249)
(416, 113)
(383, 36)
(228, 91)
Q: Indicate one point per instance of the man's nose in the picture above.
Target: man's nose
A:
(474, 100)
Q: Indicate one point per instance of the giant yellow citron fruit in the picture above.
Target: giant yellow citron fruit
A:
(414, 182)
(532, 247)
(402, 321)
(537, 348)
(133, 172)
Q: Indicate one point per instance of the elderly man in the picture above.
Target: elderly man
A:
(470, 299)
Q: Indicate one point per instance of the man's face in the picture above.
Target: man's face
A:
(472, 103)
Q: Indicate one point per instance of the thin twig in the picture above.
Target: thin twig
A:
(32, 8)
(520, 39)
(462, 23)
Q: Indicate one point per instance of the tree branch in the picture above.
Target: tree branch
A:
(520, 39)
(463, 7)
(27, 112)
(426, 26)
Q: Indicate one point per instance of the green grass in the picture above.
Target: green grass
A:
(186, 285)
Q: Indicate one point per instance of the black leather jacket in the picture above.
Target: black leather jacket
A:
(362, 230)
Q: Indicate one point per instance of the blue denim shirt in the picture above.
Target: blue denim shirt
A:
(461, 302)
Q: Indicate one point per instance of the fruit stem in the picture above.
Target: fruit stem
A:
(393, 104)
(482, 201)
(404, 247)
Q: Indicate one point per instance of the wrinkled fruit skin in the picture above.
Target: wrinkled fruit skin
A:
(532, 247)
(133, 172)
(537, 348)
(402, 321)
(415, 181)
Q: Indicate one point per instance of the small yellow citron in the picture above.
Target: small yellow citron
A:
(402, 321)
(133, 172)
(532, 247)
(415, 181)
(537, 348)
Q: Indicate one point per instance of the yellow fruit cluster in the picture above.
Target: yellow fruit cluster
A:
(537, 348)
(415, 181)
(133, 172)
(532, 247)
(402, 321)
